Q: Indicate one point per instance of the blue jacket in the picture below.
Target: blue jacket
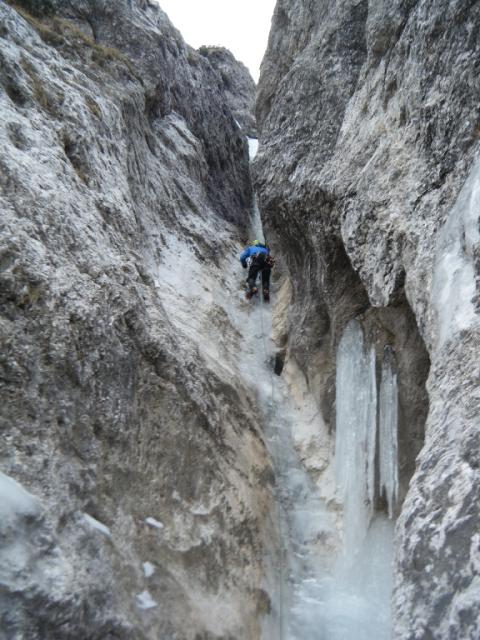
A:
(251, 251)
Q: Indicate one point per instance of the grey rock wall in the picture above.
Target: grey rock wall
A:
(121, 166)
(238, 86)
(368, 115)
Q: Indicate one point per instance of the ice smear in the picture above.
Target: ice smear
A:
(455, 289)
(354, 603)
(31, 561)
(301, 517)
(95, 524)
(145, 600)
(148, 569)
(15, 501)
(154, 523)
(257, 230)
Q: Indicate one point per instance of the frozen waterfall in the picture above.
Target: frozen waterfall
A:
(356, 433)
(352, 600)
(348, 599)
(356, 402)
(357, 595)
(358, 413)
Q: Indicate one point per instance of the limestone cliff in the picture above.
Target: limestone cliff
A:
(137, 490)
(368, 182)
(238, 87)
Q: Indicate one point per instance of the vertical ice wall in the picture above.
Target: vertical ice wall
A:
(356, 405)
(388, 428)
(358, 412)
(356, 597)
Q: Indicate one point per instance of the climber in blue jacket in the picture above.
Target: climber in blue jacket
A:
(257, 257)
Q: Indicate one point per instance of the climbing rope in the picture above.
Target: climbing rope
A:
(271, 419)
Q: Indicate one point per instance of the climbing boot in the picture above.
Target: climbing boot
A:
(251, 292)
(266, 295)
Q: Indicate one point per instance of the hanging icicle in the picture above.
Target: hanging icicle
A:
(388, 427)
(356, 403)
(356, 432)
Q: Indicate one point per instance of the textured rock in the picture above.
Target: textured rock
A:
(237, 85)
(124, 183)
(368, 113)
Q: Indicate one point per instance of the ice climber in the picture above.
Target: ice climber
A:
(257, 257)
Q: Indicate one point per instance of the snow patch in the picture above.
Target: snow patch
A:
(145, 600)
(252, 147)
(95, 524)
(148, 569)
(154, 523)
(15, 500)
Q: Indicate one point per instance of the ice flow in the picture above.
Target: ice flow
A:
(348, 599)
(356, 600)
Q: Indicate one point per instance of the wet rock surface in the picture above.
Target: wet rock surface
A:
(368, 118)
(121, 167)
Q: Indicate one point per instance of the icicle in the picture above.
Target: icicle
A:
(355, 599)
(371, 423)
(388, 431)
(356, 401)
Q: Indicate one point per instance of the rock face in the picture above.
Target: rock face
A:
(137, 496)
(369, 187)
(237, 85)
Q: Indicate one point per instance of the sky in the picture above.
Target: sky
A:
(240, 25)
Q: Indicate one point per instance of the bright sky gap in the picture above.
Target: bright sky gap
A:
(242, 27)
